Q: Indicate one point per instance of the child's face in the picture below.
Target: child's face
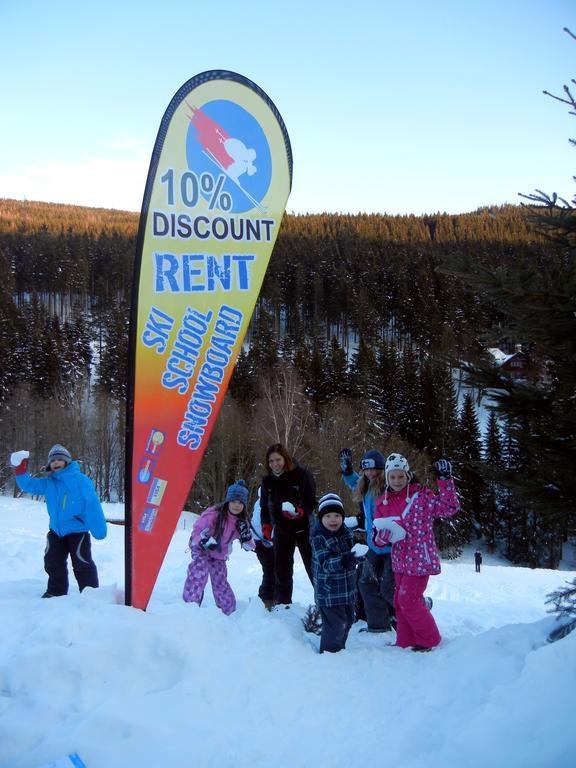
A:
(236, 507)
(332, 521)
(397, 479)
(57, 464)
(370, 473)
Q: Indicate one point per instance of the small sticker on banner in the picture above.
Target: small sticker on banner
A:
(148, 518)
(156, 491)
(155, 442)
(146, 470)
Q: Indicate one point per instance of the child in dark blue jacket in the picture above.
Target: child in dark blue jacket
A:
(74, 511)
(334, 560)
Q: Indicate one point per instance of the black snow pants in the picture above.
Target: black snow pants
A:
(78, 546)
(265, 557)
(376, 586)
(284, 547)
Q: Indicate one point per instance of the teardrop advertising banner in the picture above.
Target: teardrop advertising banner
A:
(217, 187)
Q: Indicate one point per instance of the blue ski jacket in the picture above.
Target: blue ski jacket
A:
(73, 505)
(369, 504)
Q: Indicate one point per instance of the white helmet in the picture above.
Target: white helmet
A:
(397, 461)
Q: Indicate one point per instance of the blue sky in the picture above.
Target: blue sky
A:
(391, 107)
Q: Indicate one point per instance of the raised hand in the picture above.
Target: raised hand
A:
(442, 468)
(19, 462)
(345, 458)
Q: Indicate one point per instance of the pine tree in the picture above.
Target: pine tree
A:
(470, 484)
(366, 385)
(493, 502)
(336, 371)
(536, 300)
(564, 601)
(243, 384)
(409, 413)
(263, 342)
(112, 368)
(389, 390)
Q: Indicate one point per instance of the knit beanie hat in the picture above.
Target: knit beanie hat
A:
(397, 461)
(330, 502)
(373, 460)
(237, 492)
(59, 452)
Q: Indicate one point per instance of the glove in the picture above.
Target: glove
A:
(243, 529)
(207, 542)
(345, 457)
(351, 522)
(19, 462)
(247, 546)
(359, 551)
(267, 531)
(349, 560)
(442, 469)
(381, 538)
(290, 511)
(390, 531)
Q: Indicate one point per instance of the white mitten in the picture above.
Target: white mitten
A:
(351, 522)
(359, 550)
(397, 532)
(18, 457)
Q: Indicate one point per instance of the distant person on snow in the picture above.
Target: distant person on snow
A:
(477, 560)
(404, 517)
(334, 560)
(211, 543)
(287, 500)
(376, 583)
(75, 512)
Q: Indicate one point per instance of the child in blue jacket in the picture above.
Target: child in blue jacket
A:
(334, 560)
(376, 583)
(74, 511)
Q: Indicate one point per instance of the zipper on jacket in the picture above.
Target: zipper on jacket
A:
(426, 555)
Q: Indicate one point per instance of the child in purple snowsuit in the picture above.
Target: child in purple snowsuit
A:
(211, 543)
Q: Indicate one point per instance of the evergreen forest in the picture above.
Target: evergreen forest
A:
(371, 331)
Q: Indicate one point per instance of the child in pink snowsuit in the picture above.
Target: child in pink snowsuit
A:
(404, 517)
(211, 543)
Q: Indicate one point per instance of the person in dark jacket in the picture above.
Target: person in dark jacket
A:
(477, 560)
(334, 565)
(75, 512)
(287, 500)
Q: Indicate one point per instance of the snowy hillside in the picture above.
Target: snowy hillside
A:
(183, 686)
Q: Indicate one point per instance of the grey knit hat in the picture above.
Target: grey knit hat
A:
(59, 452)
(237, 492)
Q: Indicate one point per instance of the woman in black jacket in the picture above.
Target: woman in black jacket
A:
(287, 499)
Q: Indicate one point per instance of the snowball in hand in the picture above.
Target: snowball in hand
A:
(18, 457)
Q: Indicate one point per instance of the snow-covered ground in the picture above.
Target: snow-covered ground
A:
(183, 686)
